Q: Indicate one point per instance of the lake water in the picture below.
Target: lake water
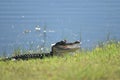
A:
(15, 37)
(92, 20)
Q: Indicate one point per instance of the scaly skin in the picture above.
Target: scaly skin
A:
(29, 56)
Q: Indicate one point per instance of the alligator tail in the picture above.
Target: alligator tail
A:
(28, 56)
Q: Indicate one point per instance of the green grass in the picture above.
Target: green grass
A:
(99, 64)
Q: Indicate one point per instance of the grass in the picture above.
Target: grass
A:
(102, 63)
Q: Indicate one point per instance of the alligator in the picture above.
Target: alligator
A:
(59, 48)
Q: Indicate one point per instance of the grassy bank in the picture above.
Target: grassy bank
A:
(102, 63)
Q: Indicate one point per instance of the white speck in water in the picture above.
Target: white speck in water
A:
(51, 31)
(26, 31)
(44, 31)
(41, 48)
(88, 40)
(23, 16)
(37, 28)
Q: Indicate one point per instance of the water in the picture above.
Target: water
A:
(11, 38)
(93, 20)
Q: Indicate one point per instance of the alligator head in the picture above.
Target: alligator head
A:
(63, 47)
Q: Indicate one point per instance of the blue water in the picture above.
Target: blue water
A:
(64, 19)
(14, 37)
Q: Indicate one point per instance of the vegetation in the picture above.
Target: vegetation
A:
(102, 63)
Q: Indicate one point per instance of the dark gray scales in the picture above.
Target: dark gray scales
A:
(28, 56)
